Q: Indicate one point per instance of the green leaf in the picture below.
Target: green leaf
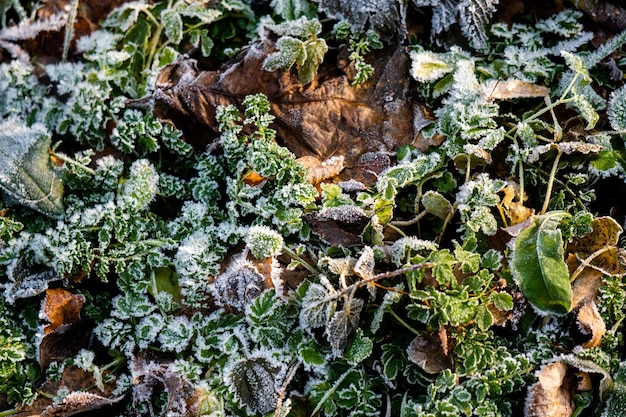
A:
(252, 382)
(617, 400)
(290, 51)
(172, 25)
(484, 319)
(538, 266)
(359, 349)
(26, 174)
(315, 51)
(502, 301)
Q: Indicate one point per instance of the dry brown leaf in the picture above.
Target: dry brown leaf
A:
(328, 118)
(605, 232)
(590, 324)
(565, 147)
(599, 250)
(78, 402)
(430, 352)
(512, 208)
(61, 307)
(320, 171)
(585, 286)
(552, 394)
(510, 89)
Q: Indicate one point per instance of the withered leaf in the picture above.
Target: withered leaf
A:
(335, 232)
(599, 250)
(605, 232)
(510, 89)
(553, 393)
(585, 286)
(590, 324)
(61, 307)
(430, 352)
(328, 118)
(514, 209)
(79, 402)
(565, 147)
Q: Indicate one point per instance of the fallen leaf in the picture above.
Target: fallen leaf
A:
(328, 118)
(79, 402)
(605, 232)
(430, 352)
(61, 307)
(512, 208)
(590, 324)
(565, 147)
(510, 89)
(553, 393)
(320, 171)
(64, 342)
(585, 286)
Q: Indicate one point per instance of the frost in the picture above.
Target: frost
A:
(342, 324)
(255, 382)
(263, 242)
(346, 214)
(317, 306)
(426, 66)
(617, 109)
(140, 188)
(25, 282)
(351, 185)
(26, 173)
(403, 248)
(239, 285)
(176, 334)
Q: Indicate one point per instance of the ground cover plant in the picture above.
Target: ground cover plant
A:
(312, 208)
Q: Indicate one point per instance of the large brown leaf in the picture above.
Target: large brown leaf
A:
(325, 118)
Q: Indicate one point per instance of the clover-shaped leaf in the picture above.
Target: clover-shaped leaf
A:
(26, 174)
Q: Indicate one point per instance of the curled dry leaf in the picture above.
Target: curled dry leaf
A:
(512, 208)
(599, 250)
(590, 324)
(510, 89)
(585, 286)
(565, 147)
(553, 393)
(78, 402)
(320, 171)
(330, 117)
(430, 352)
(61, 307)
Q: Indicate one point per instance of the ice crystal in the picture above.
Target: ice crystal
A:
(263, 242)
(239, 285)
(617, 109)
(404, 248)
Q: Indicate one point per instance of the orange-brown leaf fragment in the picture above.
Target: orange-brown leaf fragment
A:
(590, 324)
(61, 307)
(552, 394)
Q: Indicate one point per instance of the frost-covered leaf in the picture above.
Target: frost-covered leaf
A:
(511, 89)
(475, 15)
(590, 324)
(290, 52)
(359, 348)
(140, 188)
(263, 242)
(176, 334)
(427, 66)
(386, 17)
(436, 204)
(617, 109)
(26, 174)
(253, 383)
(342, 324)
(316, 307)
(292, 9)
(538, 265)
(364, 266)
(26, 282)
(617, 400)
(239, 285)
(172, 25)
(315, 51)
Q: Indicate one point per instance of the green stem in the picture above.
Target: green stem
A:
(331, 391)
(546, 201)
(9, 412)
(74, 162)
(301, 261)
(402, 322)
(69, 29)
